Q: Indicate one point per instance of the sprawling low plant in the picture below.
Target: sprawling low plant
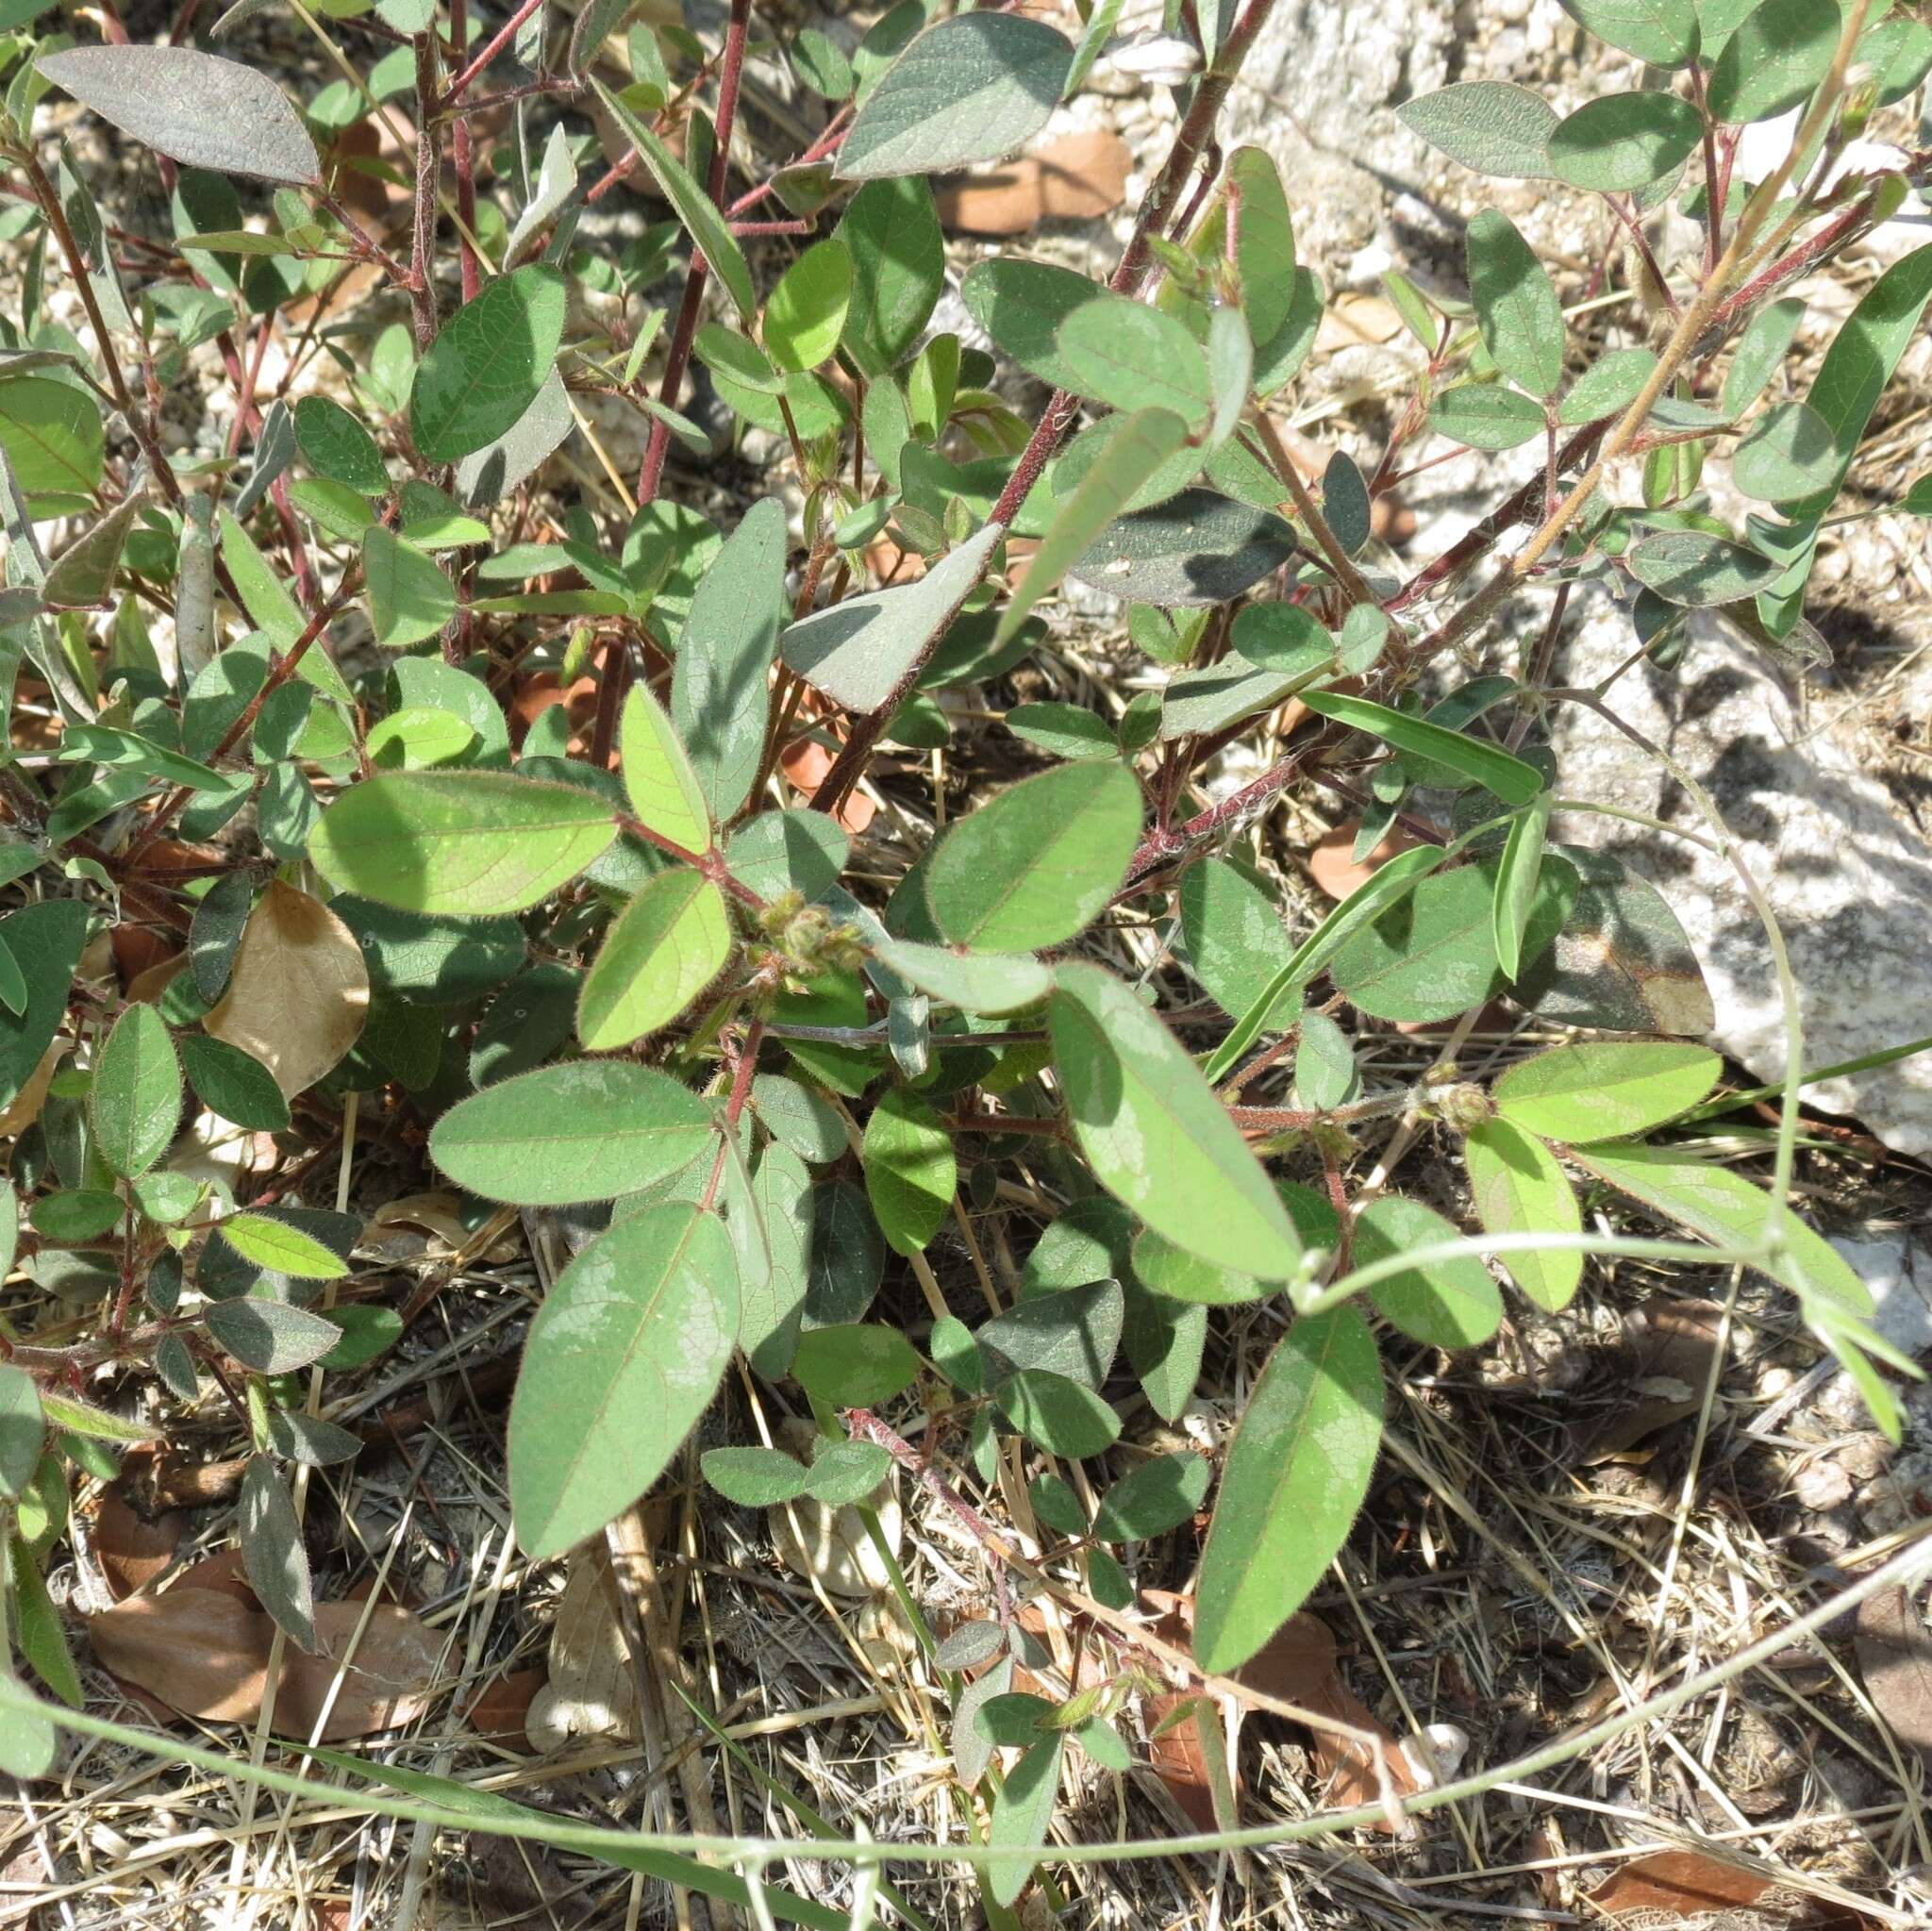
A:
(598, 961)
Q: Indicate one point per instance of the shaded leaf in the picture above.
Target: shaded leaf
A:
(1196, 548)
(134, 1101)
(1444, 1304)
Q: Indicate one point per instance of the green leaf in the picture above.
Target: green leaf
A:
(1155, 1136)
(45, 940)
(1056, 1414)
(696, 208)
(845, 1473)
(1605, 1089)
(719, 696)
(858, 652)
(94, 1424)
(1608, 387)
(82, 576)
(1692, 567)
(1022, 1810)
(1235, 941)
(1624, 141)
(1138, 445)
(975, 982)
(587, 1130)
(485, 368)
(52, 435)
(1485, 415)
(1324, 1068)
(668, 944)
(282, 1249)
(1264, 242)
(135, 1101)
(1296, 1473)
(1489, 765)
(1493, 126)
(434, 961)
(1176, 1274)
(471, 842)
(1072, 1332)
(1446, 1304)
(232, 1085)
(657, 776)
(622, 1360)
(1195, 549)
(1036, 863)
(892, 230)
(1433, 956)
(338, 446)
(38, 1630)
(1861, 362)
(910, 1174)
(1517, 312)
(970, 89)
(1382, 890)
(804, 315)
(1517, 1187)
(1131, 357)
(754, 1477)
(851, 1366)
(1776, 57)
(272, 1337)
(272, 1550)
(1663, 32)
(409, 595)
(1157, 1496)
(22, 1428)
(1721, 1206)
(1516, 879)
(203, 112)
(1766, 341)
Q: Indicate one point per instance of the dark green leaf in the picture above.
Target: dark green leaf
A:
(1485, 415)
(1663, 32)
(1780, 52)
(892, 231)
(1196, 548)
(338, 447)
(1625, 140)
(270, 1336)
(1072, 1332)
(45, 940)
(1159, 1495)
(234, 1086)
(135, 1101)
(1693, 568)
(1056, 1414)
(271, 1551)
(1489, 765)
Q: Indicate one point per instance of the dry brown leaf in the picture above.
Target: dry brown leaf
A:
(1077, 178)
(1332, 862)
(25, 1105)
(590, 1691)
(298, 992)
(1297, 1666)
(1687, 1882)
(1896, 1659)
(132, 1548)
(1668, 1347)
(501, 1709)
(204, 1653)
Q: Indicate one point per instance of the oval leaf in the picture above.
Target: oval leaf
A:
(668, 944)
(486, 366)
(1605, 1089)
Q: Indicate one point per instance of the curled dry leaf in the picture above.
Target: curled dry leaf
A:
(204, 1653)
(1077, 178)
(1896, 1659)
(298, 992)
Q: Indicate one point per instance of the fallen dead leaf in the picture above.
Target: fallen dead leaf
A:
(298, 992)
(204, 1653)
(139, 949)
(1668, 1346)
(1298, 1665)
(24, 1107)
(1894, 1650)
(806, 764)
(1077, 178)
(1332, 862)
(1687, 1882)
(501, 1709)
(590, 1690)
(133, 1549)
